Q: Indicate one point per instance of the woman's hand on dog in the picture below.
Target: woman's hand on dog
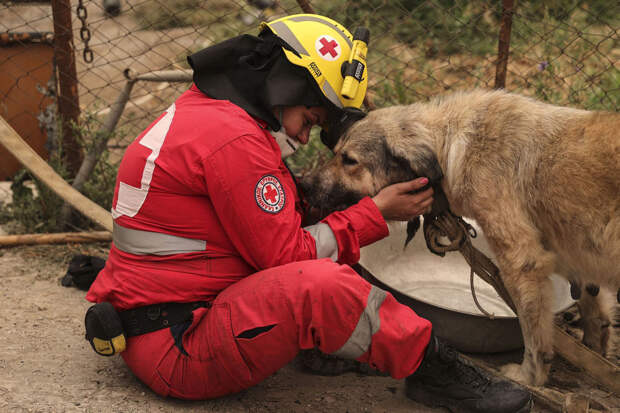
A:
(402, 202)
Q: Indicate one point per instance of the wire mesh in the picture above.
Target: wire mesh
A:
(562, 51)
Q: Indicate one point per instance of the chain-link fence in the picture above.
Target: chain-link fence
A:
(562, 51)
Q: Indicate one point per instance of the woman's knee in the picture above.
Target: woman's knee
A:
(327, 275)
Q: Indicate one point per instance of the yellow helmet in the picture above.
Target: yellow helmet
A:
(335, 59)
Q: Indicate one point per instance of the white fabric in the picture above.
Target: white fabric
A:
(130, 199)
(287, 145)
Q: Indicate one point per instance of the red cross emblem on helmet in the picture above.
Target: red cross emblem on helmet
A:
(269, 194)
(327, 47)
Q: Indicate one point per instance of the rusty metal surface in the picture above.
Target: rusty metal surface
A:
(68, 96)
(10, 38)
(26, 70)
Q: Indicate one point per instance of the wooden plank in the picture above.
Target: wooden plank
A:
(57, 238)
(596, 366)
(576, 403)
(35, 164)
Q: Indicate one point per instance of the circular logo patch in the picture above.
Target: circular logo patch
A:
(269, 194)
(327, 47)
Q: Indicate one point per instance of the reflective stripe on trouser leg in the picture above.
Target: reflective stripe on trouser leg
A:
(369, 324)
(300, 305)
(399, 345)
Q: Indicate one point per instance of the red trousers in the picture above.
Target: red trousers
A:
(259, 324)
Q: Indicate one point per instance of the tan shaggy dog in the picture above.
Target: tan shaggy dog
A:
(542, 181)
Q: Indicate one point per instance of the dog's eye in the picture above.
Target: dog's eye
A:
(347, 160)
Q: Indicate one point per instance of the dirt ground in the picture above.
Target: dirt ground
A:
(47, 366)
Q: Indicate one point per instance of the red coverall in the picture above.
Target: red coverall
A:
(205, 210)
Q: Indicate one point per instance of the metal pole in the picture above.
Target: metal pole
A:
(68, 98)
(105, 132)
(116, 110)
(503, 48)
(161, 76)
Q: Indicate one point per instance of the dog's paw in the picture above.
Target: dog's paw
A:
(514, 372)
(596, 336)
(521, 374)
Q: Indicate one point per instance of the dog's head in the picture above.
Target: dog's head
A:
(387, 146)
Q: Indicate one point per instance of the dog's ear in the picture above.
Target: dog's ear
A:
(412, 148)
(338, 123)
(413, 225)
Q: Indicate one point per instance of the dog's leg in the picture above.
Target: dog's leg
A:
(525, 267)
(596, 315)
(531, 295)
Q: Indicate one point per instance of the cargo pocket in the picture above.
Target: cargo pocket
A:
(224, 347)
(144, 355)
(180, 375)
(202, 360)
(184, 377)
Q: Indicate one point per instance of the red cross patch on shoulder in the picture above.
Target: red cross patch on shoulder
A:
(269, 194)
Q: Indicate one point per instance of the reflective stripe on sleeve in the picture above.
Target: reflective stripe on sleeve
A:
(326, 244)
(138, 242)
(130, 199)
(368, 324)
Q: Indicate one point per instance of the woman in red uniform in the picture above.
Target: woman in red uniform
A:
(208, 225)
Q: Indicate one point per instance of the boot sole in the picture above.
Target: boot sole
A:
(426, 398)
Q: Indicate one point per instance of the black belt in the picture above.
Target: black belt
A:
(142, 320)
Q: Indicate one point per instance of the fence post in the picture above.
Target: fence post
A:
(503, 47)
(68, 98)
(305, 6)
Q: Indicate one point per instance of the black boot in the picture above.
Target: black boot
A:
(446, 379)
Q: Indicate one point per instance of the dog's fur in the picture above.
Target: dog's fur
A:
(542, 181)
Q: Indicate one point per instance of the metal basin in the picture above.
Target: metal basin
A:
(438, 289)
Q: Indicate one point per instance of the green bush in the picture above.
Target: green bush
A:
(33, 207)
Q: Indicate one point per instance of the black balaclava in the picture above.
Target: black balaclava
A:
(253, 73)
